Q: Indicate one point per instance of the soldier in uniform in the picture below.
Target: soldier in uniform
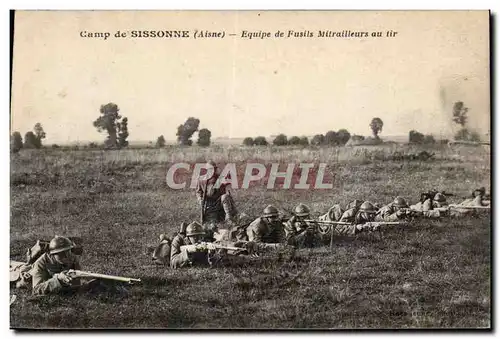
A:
(478, 199)
(395, 211)
(48, 274)
(299, 232)
(215, 200)
(360, 213)
(336, 211)
(267, 231)
(182, 255)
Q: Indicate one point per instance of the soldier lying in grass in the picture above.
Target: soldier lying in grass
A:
(48, 274)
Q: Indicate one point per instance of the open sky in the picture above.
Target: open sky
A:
(239, 87)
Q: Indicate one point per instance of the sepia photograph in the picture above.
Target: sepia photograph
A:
(246, 169)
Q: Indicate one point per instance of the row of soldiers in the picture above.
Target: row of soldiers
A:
(270, 231)
(200, 243)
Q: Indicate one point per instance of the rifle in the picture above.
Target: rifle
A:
(83, 274)
(203, 202)
(470, 207)
(328, 222)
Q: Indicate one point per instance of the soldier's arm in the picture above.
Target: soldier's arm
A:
(43, 284)
(178, 258)
(348, 216)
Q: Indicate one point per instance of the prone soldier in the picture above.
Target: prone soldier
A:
(268, 230)
(49, 273)
(300, 232)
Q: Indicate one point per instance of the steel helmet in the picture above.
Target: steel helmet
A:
(270, 211)
(194, 228)
(367, 207)
(60, 244)
(439, 197)
(400, 202)
(301, 210)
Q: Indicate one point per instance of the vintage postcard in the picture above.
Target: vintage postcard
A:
(250, 170)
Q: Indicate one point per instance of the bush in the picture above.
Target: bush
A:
(318, 139)
(55, 146)
(280, 140)
(343, 136)
(260, 141)
(429, 140)
(304, 141)
(248, 141)
(294, 141)
(415, 137)
(160, 141)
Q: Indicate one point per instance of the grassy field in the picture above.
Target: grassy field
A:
(430, 274)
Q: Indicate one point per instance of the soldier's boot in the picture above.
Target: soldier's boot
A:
(228, 204)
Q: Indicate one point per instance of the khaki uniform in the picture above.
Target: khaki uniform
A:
(334, 214)
(388, 213)
(181, 258)
(41, 275)
(219, 204)
(260, 231)
(301, 233)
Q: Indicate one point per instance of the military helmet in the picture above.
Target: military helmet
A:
(439, 197)
(194, 228)
(60, 244)
(270, 211)
(301, 210)
(367, 207)
(481, 191)
(400, 202)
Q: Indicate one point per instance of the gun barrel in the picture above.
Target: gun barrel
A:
(470, 207)
(105, 276)
(328, 222)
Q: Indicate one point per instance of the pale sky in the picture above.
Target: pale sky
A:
(239, 87)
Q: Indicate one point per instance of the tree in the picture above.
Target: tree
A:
(429, 140)
(294, 141)
(204, 137)
(248, 141)
(376, 126)
(460, 113)
(16, 142)
(107, 122)
(415, 137)
(122, 132)
(160, 142)
(260, 141)
(331, 138)
(186, 131)
(465, 135)
(318, 139)
(280, 140)
(343, 136)
(30, 140)
(39, 133)
(304, 141)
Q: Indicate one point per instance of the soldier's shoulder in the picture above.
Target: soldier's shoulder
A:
(42, 261)
(257, 222)
(178, 239)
